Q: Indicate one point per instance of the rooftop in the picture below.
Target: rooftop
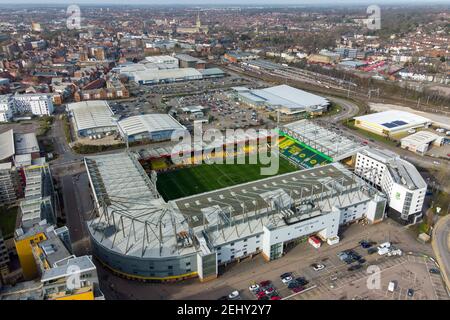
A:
(91, 114)
(149, 123)
(394, 119)
(420, 138)
(84, 263)
(26, 143)
(325, 140)
(7, 144)
(286, 97)
(403, 172)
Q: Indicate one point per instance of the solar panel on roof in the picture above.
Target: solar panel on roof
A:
(400, 122)
(389, 125)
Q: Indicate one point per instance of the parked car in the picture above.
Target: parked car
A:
(234, 295)
(302, 281)
(392, 285)
(287, 279)
(317, 266)
(372, 250)
(434, 271)
(265, 283)
(275, 298)
(260, 294)
(254, 287)
(410, 292)
(269, 290)
(365, 244)
(354, 267)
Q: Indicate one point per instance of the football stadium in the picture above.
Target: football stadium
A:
(162, 220)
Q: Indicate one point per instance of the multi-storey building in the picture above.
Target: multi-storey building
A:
(36, 104)
(8, 184)
(397, 178)
(6, 108)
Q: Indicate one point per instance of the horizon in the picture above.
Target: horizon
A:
(223, 2)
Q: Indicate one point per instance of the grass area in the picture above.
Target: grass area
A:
(370, 135)
(45, 124)
(87, 149)
(66, 127)
(207, 177)
(8, 221)
(441, 199)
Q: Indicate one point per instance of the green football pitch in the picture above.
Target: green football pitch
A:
(207, 177)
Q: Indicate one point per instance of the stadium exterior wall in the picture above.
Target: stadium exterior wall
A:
(185, 266)
(167, 269)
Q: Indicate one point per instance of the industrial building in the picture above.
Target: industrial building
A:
(137, 234)
(92, 117)
(174, 75)
(420, 142)
(187, 61)
(152, 127)
(239, 56)
(287, 100)
(388, 123)
(167, 69)
(398, 179)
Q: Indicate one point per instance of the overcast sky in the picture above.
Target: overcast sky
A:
(221, 2)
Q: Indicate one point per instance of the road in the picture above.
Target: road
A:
(77, 206)
(441, 246)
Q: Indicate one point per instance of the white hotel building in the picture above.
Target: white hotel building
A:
(397, 178)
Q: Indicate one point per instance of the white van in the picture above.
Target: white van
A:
(391, 287)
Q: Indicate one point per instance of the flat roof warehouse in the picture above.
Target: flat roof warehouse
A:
(391, 120)
(291, 100)
(91, 114)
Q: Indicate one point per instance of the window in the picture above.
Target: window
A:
(232, 257)
(170, 267)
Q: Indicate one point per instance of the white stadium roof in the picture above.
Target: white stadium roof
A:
(148, 123)
(91, 114)
(394, 119)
